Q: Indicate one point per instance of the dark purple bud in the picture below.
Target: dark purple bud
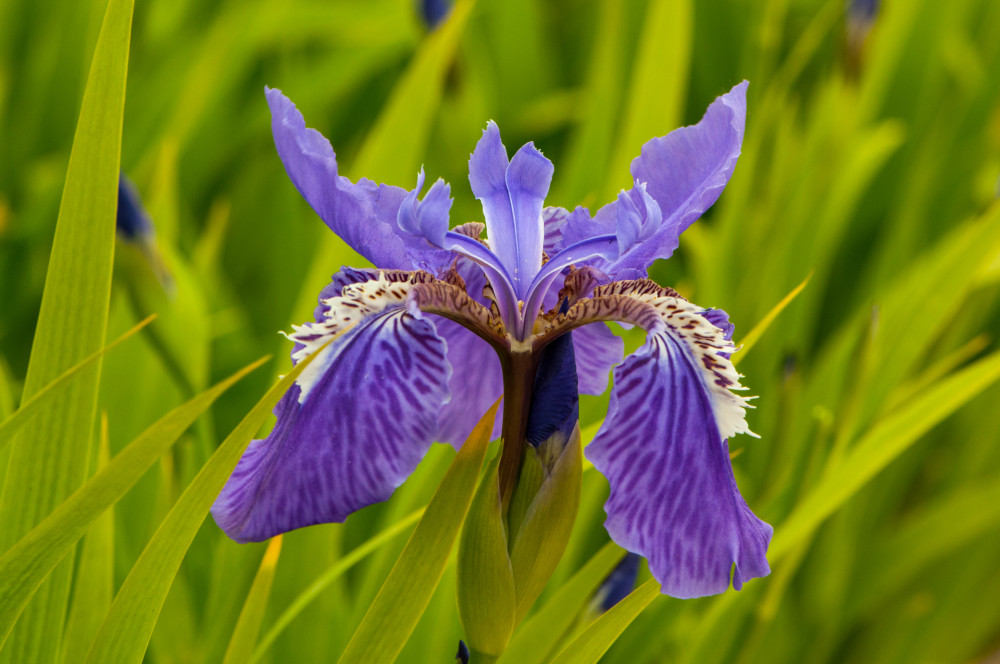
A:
(863, 10)
(133, 222)
(433, 12)
(861, 15)
(463, 653)
(556, 397)
(619, 583)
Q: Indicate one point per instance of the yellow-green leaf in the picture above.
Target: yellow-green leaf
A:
(485, 578)
(48, 461)
(25, 565)
(43, 397)
(248, 625)
(126, 630)
(537, 637)
(404, 595)
(594, 641)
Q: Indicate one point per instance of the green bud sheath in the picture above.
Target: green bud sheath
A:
(546, 526)
(486, 604)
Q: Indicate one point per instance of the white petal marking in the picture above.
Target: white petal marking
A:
(710, 349)
(355, 302)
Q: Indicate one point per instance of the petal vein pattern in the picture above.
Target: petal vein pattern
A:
(673, 495)
(348, 434)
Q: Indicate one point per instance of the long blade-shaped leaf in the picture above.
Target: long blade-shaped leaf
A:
(754, 335)
(45, 396)
(537, 637)
(129, 624)
(329, 576)
(589, 646)
(884, 443)
(404, 596)
(93, 587)
(26, 564)
(247, 627)
(49, 459)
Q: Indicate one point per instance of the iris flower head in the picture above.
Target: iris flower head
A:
(449, 320)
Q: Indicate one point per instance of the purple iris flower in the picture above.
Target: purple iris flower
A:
(448, 321)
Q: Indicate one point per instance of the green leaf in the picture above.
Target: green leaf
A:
(655, 102)
(332, 573)
(45, 396)
(26, 564)
(594, 641)
(404, 595)
(49, 459)
(485, 578)
(537, 637)
(248, 626)
(581, 181)
(879, 447)
(748, 342)
(951, 525)
(126, 630)
(95, 574)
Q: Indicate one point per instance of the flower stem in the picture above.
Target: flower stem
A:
(518, 383)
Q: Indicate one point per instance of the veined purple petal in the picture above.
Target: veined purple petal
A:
(354, 425)
(663, 444)
(363, 214)
(511, 193)
(720, 319)
(541, 285)
(673, 495)
(499, 278)
(685, 173)
(638, 217)
(476, 383)
(528, 178)
(598, 349)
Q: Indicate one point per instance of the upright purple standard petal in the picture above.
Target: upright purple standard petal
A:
(355, 424)
(512, 194)
(363, 214)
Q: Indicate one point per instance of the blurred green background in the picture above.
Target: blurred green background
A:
(870, 167)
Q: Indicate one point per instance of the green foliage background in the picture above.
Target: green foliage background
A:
(870, 168)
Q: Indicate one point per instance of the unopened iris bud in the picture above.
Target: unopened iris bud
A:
(134, 226)
(861, 15)
(618, 584)
(462, 656)
(433, 12)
